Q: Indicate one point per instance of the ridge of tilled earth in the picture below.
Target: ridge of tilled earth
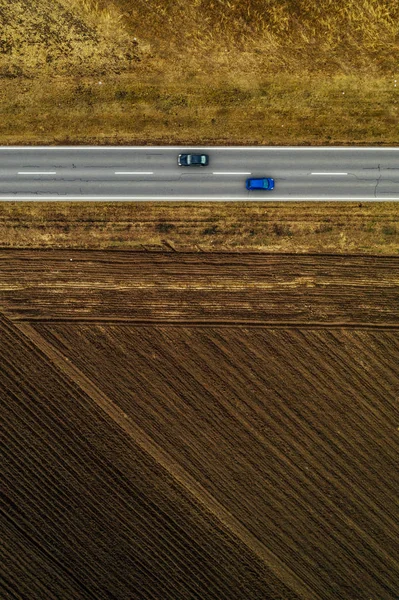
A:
(207, 287)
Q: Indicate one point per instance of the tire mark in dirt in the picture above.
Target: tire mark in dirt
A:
(174, 286)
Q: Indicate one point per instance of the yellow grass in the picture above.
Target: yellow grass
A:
(122, 109)
(208, 71)
(325, 227)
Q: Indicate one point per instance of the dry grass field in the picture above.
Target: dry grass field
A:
(153, 448)
(295, 227)
(204, 72)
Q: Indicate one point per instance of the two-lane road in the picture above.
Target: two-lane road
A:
(152, 173)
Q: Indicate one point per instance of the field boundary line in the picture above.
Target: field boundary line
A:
(208, 323)
(141, 438)
(183, 147)
(49, 253)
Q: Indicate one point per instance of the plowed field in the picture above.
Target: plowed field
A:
(88, 514)
(308, 466)
(248, 288)
(199, 426)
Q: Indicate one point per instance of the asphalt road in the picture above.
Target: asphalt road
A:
(151, 173)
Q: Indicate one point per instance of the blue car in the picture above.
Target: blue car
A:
(266, 183)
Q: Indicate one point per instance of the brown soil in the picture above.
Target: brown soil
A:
(206, 425)
(88, 513)
(201, 287)
(306, 461)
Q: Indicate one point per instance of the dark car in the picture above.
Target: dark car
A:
(265, 183)
(193, 160)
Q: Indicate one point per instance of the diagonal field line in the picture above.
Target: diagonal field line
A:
(140, 437)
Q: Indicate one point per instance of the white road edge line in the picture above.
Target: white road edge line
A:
(229, 173)
(149, 149)
(134, 172)
(329, 173)
(263, 198)
(37, 173)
